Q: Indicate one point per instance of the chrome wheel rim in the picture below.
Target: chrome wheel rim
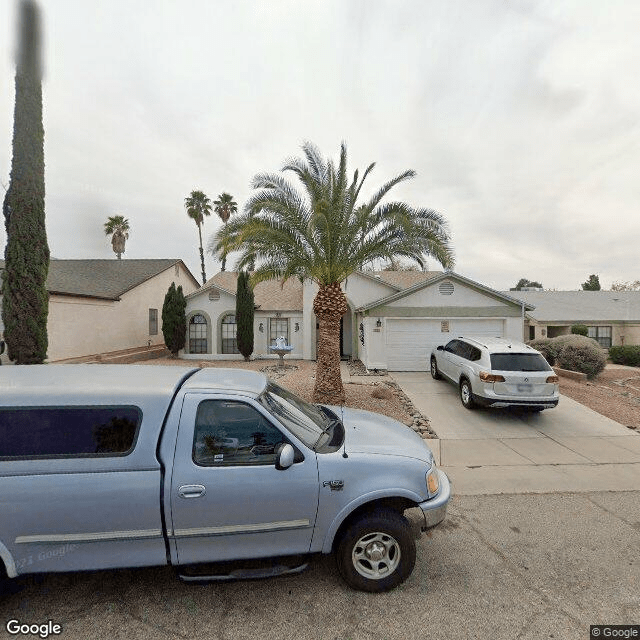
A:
(465, 392)
(433, 368)
(376, 555)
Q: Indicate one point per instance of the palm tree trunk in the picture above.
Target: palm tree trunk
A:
(224, 262)
(329, 306)
(204, 277)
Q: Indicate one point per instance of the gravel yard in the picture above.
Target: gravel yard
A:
(615, 393)
(376, 393)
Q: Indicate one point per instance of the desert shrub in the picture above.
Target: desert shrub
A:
(628, 354)
(580, 329)
(545, 347)
(582, 354)
(573, 352)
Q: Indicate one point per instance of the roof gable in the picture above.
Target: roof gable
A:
(442, 277)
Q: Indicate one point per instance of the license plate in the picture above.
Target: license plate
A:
(525, 388)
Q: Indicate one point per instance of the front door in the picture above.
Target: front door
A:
(228, 500)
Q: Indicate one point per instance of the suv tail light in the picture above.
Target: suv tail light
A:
(553, 379)
(490, 377)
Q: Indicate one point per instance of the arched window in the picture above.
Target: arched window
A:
(228, 328)
(198, 334)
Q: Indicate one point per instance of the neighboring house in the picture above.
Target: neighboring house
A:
(100, 306)
(612, 317)
(393, 321)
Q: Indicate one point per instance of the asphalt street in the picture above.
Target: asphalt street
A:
(502, 566)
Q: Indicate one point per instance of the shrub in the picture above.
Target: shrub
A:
(573, 352)
(582, 354)
(629, 355)
(580, 329)
(547, 347)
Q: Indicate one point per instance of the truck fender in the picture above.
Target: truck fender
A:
(347, 510)
(9, 564)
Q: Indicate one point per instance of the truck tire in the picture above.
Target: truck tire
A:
(377, 552)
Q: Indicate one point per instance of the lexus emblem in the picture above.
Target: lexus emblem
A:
(526, 379)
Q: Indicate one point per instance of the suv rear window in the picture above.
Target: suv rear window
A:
(519, 362)
(53, 432)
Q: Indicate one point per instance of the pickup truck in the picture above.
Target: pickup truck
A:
(219, 472)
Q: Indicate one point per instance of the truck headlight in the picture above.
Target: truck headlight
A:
(433, 482)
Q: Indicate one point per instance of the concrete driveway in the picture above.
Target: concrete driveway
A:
(568, 448)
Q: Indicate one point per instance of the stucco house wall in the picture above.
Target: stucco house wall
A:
(224, 302)
(79, 326)
(400, 333)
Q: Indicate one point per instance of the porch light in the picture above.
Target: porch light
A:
(261, 328)
(296, 327)
(378, 323)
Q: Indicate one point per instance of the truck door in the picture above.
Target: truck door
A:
(228, 500)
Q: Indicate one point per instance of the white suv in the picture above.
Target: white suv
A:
(496, 372)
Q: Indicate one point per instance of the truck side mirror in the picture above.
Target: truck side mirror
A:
(284, 456)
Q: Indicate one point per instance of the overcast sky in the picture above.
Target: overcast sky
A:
(521, 118)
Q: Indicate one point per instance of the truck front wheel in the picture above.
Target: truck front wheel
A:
(377, 552)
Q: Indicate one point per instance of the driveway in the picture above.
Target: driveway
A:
(568, 448)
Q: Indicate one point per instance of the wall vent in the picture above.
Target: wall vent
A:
(446, 288)
(214, 294)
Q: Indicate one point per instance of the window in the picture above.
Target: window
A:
(518, 362)
(278, 327)
(231, 433)
(198, 334)
(602, 335)
(54, 432)
(153, 322)
(229, 332)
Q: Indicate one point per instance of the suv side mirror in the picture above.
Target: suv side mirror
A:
(284, 456)
(439, 348)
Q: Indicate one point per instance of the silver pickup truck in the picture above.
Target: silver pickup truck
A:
(111, 466)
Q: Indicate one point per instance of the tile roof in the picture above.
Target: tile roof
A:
(106, 279)
(269, 295)
(404, 279)
(582, 306)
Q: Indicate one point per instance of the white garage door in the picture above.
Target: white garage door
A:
(410, 340)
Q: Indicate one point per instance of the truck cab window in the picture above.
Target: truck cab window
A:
(232, 433)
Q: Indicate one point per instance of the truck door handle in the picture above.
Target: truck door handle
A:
(191, 491)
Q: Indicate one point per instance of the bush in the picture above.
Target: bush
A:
(629, 355)
(582, 354)
(573, 352)
(580, 329)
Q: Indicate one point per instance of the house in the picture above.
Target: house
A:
(393, 321)
(612, 317)
(101, 306)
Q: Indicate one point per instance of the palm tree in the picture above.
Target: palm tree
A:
(118, 228)
(323, 233)
(198, 206)
(224, 206)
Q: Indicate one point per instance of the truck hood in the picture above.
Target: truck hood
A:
(371, 433)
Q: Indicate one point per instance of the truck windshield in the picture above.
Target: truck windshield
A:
(306, 421)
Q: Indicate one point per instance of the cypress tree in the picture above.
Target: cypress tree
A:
(25, 304)
(174, 322)
(244, 315)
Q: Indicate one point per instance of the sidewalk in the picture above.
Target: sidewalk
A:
(569, 448)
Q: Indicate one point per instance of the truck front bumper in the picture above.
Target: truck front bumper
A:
(435, 509)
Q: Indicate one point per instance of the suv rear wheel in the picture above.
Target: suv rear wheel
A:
(435, 374)
(466, 395)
